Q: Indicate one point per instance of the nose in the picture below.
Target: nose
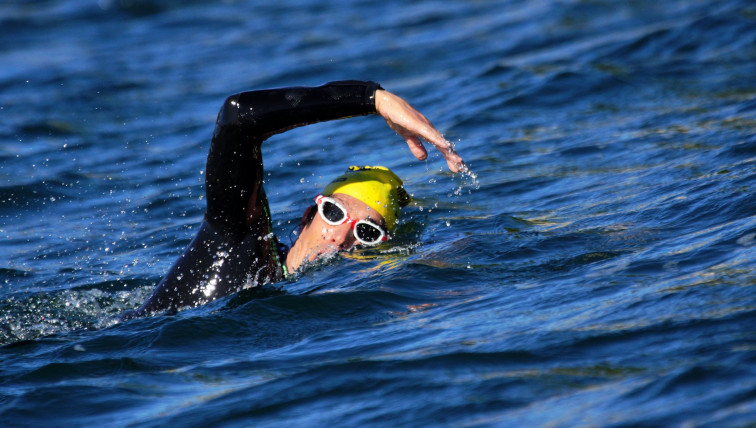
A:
(336, 237)
(339, 235)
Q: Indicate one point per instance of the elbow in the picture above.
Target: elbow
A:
(229, 112)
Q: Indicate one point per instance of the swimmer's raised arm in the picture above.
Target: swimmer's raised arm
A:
(287, 108)
(234, 167)
(412, 125)
(235, 247)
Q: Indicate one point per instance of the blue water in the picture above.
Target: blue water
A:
(599, 269)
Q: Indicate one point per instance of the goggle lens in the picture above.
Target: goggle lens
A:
(332, 212)
(367, 233)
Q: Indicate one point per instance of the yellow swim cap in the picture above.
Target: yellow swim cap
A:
(376, 186)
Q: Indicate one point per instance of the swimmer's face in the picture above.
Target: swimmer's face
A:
(323, 239)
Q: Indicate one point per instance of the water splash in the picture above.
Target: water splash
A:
(467, 179)
(468, 182)
(26, 317)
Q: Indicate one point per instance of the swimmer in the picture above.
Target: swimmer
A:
(235, 247)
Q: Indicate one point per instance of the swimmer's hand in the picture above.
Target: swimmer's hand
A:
(412, 125)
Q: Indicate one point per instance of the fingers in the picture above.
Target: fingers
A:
(430, 134)
(453, 159)
(417, 148)
(455, 163)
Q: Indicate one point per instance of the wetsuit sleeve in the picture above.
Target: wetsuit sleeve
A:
(234, 170)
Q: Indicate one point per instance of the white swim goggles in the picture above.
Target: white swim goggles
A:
(365, 231)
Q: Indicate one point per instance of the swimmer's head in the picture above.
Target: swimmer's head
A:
(360, 206)
(377, 186)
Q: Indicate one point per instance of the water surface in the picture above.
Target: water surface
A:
(598, 270)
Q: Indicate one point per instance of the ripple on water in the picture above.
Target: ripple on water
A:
(597, 266)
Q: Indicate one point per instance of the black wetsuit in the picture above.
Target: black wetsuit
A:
(235, 247)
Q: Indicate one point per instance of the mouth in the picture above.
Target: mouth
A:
(322, 252)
